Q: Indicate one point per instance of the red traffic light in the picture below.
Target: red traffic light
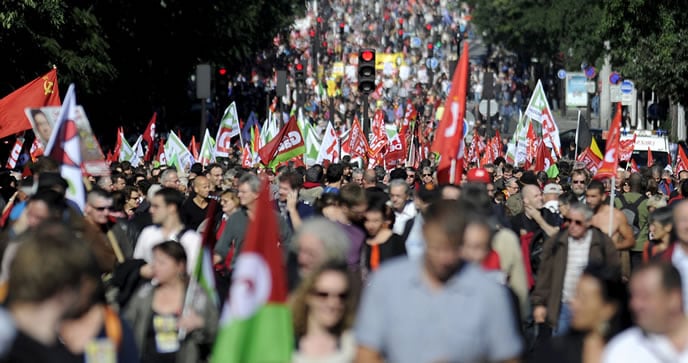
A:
(342, 25)
(401, 20)
(400, 32)
(430, 46)
(367, 56)
(222, 71)
(319, 20)
(428, 27)
(299, 67)
(324, 44)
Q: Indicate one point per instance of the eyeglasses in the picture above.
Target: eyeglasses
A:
(325, 294)
(408, 176)
(574, 221)
(424, 175)
(578, 182)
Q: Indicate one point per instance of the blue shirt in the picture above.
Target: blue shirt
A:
(470, 319)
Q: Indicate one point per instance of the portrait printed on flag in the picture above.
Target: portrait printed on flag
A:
(42, 121)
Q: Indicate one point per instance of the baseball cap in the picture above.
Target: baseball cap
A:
(552, 188)
(478, 175)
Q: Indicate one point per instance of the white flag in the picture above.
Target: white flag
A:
(229, 127)
(175, 150)
(329, 148)
(206, 154)
(64, 147)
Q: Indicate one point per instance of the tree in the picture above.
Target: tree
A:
(648, 42)
(131, 58)
(542, 28)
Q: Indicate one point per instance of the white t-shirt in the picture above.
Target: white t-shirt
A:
(152, 235)
(632, 346)
(680, 261)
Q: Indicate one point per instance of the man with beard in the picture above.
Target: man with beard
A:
(453, 303)
(579, 181)
(620, 231)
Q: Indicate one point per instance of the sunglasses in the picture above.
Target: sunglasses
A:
(410, 176)
(578, 182)
(101, 209)
(424, 175)
(574, 221)
(325, 294)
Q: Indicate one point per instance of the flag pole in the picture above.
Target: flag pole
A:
(452, 172)
(611, 206)
(577, 131)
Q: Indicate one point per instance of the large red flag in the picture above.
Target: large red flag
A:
(149, 136)
(40, 92)
(611, 155)
(448, 141)
(287, 144)
(355, 143)
(681, 161)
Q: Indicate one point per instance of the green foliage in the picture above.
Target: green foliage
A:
(542, 28)
(129, 58)
(649, 41)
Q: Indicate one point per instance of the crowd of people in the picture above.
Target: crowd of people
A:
(381, 266)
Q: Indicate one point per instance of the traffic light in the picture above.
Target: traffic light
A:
(300, 74)
(342, 25)
(430, 50)
(366, 71)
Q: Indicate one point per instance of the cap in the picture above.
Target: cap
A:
(478, 175)
(552, 188)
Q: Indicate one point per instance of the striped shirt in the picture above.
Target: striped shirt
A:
(576, 260)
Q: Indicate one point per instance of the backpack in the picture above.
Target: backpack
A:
(630, 210)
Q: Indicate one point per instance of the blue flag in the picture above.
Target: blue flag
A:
(246, 131)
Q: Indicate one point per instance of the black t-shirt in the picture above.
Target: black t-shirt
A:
(28, 350)
(193, 215)
(393, 247)
(161, 345)
(521, 222)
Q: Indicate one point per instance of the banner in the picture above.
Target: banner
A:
(40, 92)
(14, 154)
(176, 150)
(92, 157)
(329, 148)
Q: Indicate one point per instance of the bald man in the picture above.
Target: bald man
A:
(534, 218)
(195, 207)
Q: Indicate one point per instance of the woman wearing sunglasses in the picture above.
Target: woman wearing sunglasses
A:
(323, 309)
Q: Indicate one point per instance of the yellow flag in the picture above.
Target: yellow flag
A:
(596, 149)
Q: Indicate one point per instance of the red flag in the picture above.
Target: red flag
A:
(118, 146)
(263, 241)
(650, 159)
(544, 157)
(592, 162)
(634, 167)
(287, 142)
(161, 153)
(355, 143)
(246, 157)
(626, 148)
(611, 155)
(448, 141)
(681, 161)
(36, 149)
(7, 210)
(532, 146)
(14, 154)
(497, 146)
(378, 141)
(409, 116)
(149, 136)
(193, 148)
(40, 92)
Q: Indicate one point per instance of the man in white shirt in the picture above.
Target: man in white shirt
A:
(164, 209)
(404, 210)
(661, 334)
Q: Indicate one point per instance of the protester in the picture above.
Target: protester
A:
(599, 312)
(564, 256)
(661, 323)
(323, 308)
(42, 294)
(382, 243)
(661, 233)
(158, 313)
(444, 281)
